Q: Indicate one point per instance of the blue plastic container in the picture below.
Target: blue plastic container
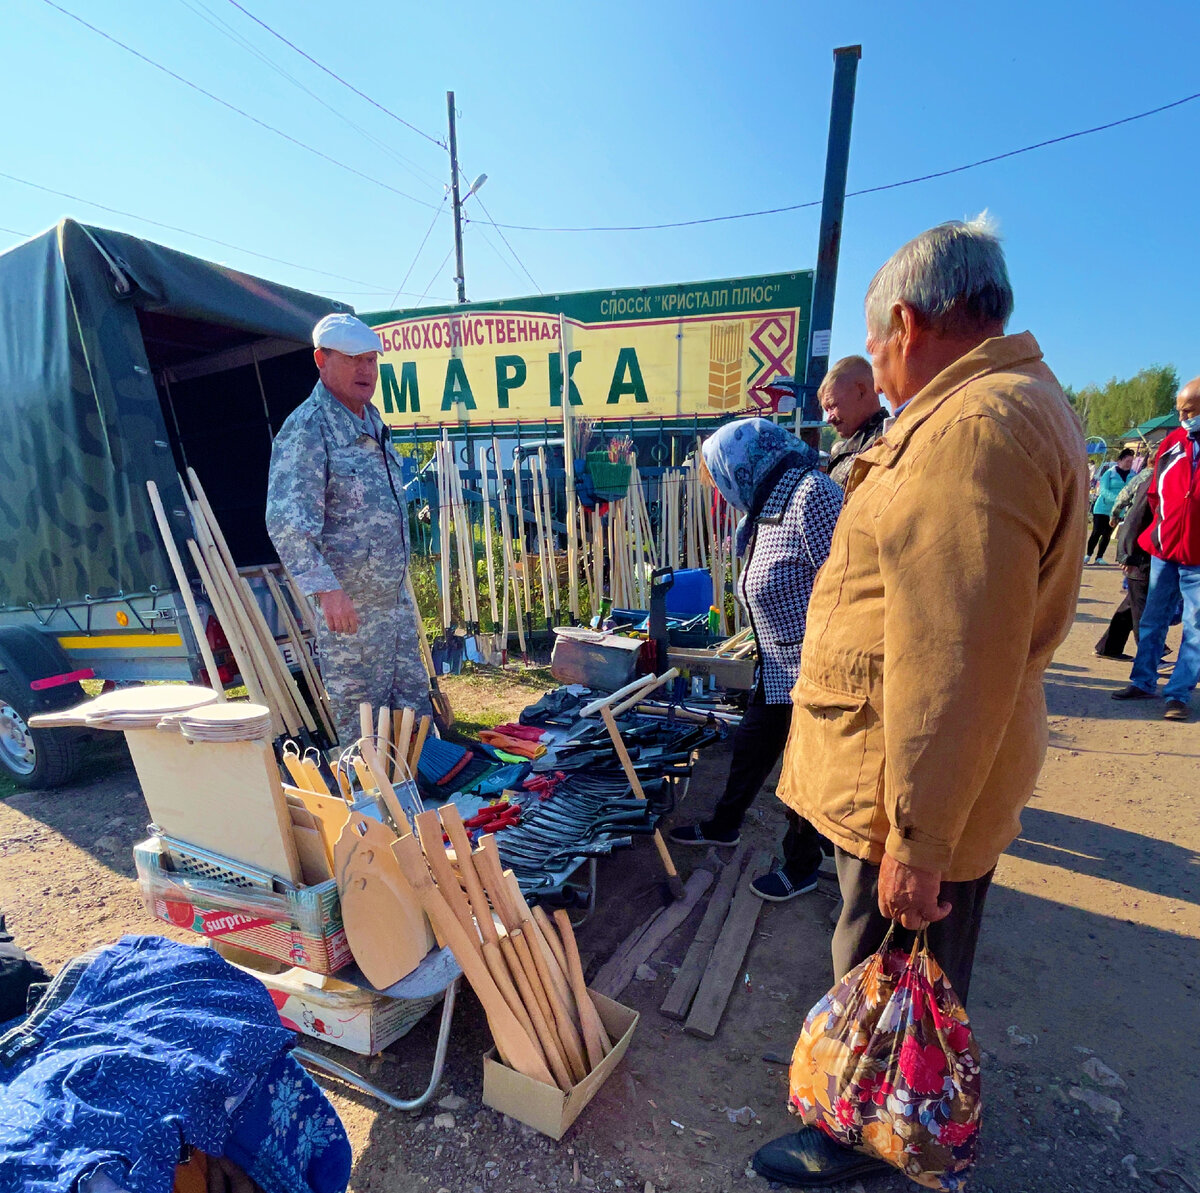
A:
(691, 594)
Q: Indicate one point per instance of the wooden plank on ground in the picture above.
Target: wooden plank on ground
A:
(617, 972)
(728, 954)
(679, 997)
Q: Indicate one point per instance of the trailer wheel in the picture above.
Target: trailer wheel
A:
(33, 757)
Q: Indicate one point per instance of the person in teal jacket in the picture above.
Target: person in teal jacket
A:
(1111, 484)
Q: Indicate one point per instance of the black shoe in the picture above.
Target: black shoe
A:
(777, 887)
(697, 834)
(809, 1160)
(1132, 692)
(1176, 710)
(1120, 658)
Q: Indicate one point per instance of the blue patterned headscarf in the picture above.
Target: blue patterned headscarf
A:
(746, 454)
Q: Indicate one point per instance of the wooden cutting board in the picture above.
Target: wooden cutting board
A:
(223, 796)
(386, 927)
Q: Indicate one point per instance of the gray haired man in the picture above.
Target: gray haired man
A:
(337, 516)
(919, 719)
(851, 405)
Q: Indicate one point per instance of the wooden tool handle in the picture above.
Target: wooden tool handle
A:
(520, 1051)
(404, 737)
(316, 780)
(673, 880)
(594, 1034)
(383, 734)
(498, 968)
(185, 591)
(491, 872)
(592, 708)
(452, 823)
(628, 703)
(366, 720)
(542, 1030)
(386, 791)
(551, 950)
(568, 1034)
(419, 744)
(296, 769)
(550, 936)
(430, 829)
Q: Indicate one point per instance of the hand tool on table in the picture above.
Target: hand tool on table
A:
(674, 883)
(494, 818)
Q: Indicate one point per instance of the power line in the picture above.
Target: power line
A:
(417, 255)
(870, 190)
(200, 9)
(14, 232)
(335, 75)
(433, 279)
(37, 186)
(488, 216)
(233, 107)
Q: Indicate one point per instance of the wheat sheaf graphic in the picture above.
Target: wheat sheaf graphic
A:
(726, 347)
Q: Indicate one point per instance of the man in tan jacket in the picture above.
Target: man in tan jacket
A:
(919, 721)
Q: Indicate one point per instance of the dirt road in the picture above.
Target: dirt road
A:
(1090, 951)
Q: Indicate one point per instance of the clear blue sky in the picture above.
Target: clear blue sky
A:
(627, 112)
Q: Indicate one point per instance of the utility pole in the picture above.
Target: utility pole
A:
(459, 273)
(837, 160)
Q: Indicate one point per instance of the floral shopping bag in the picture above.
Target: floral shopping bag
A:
(887, 1064)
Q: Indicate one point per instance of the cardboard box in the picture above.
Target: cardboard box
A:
(302, 927)
(545, 1107)
(358, 1020)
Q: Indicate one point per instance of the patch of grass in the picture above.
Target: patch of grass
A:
(483, 697)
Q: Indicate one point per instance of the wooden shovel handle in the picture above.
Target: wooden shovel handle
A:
(452, 823)
(594, 1035)
(544, 1033)
(519, 1051)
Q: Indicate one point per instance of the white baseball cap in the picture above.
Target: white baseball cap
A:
(345, 333)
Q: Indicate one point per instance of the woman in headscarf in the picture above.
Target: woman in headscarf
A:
(790, 509)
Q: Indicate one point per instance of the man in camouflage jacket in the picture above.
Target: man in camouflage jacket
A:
(337, 516)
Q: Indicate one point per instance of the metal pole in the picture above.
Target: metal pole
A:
(837, 159)
(459, 276)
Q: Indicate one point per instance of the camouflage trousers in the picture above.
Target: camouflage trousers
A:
(381, 664)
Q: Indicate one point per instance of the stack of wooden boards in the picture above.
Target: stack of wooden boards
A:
(710, 969)
(524, 968)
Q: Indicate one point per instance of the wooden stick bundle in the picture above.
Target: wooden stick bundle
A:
(524, 969)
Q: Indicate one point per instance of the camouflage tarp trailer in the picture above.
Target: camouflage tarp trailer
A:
(121, 362)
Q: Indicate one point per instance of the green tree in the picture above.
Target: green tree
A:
(1111, 409)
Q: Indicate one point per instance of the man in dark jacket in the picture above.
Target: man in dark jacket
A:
(851, 405)
(1173, 541)
(1135, 563)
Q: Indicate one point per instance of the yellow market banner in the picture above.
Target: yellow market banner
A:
(664, 352)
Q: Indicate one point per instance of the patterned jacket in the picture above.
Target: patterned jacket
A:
(789, 543)
(335, 502)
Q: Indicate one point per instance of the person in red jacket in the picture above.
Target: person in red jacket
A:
(1173, 540)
